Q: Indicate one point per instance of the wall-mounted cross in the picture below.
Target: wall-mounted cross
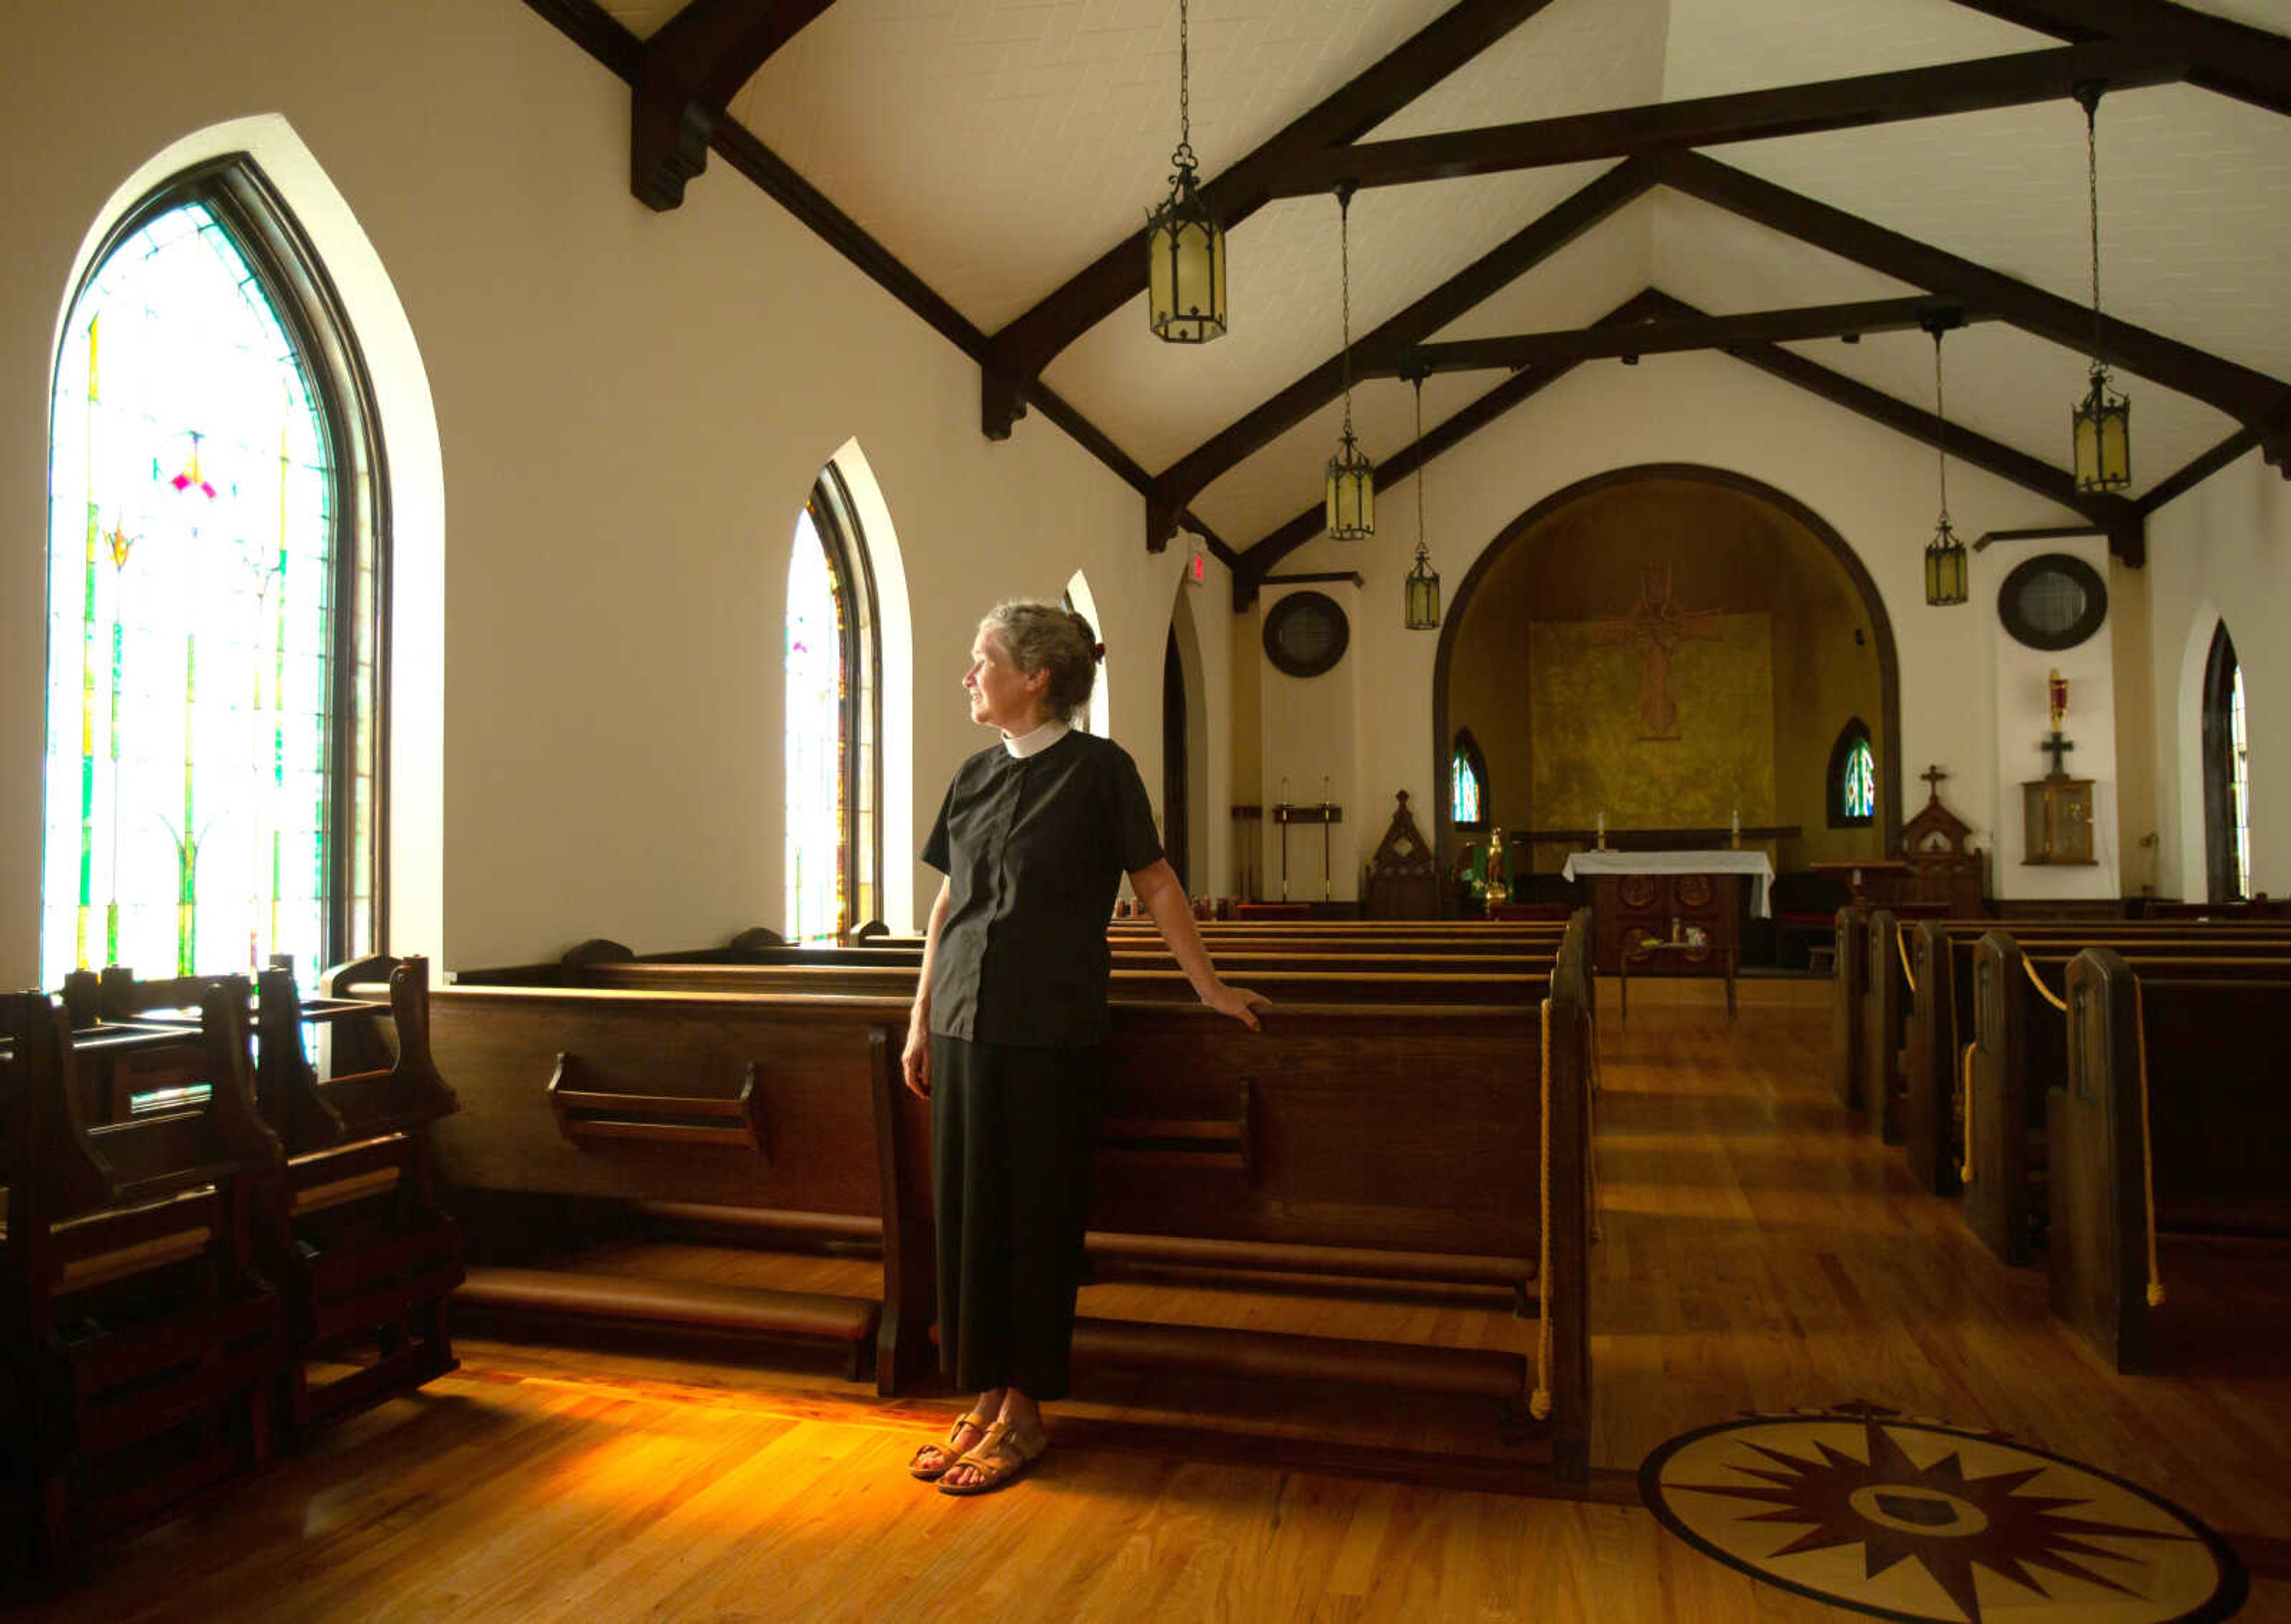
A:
(2059, 749)
(1933, 775)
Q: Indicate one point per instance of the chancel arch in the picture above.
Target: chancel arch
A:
(1669, 646)
(219, 563)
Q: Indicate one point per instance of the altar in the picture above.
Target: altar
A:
(1672, 896)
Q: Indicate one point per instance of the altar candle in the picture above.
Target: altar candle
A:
(1602, 822)
(1324, 790)
(1735, 821)
(1284, 789)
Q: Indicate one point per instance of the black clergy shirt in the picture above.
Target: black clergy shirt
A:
(1033, 851)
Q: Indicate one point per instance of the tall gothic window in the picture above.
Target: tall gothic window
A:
(1467, 782)
(212, 780)
(1851, 793)
(834, 854)
(2226, 775)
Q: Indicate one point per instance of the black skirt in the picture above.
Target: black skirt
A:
(1013, 1131)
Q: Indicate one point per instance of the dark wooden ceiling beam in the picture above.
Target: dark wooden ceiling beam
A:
(2197, 470)
(688, 74)
(1381, 348)
(2232, 59)
(1027, 344)
(2252, 397)
(1978, 86)
(1256, 566)
(1661, 336)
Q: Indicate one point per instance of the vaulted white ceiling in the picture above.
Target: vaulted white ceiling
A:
(999, 147)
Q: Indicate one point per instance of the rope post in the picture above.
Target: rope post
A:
(1964, 1168)
(2147, 1145)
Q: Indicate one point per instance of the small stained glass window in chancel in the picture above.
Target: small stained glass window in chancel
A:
(1468, 788)
(1858, 791)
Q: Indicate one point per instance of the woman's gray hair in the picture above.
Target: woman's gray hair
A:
(1049, 636)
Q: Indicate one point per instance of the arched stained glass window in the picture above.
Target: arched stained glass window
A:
(1852, 788)
(1467, 784)
(833, 857)
(2227, 774)
(214, 747)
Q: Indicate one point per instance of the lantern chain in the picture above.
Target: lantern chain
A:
(1345, 260)
(1184, 153)
(2089, 94)
(1419, 381)
(1941, 413)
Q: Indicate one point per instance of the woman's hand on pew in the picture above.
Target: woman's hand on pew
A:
(915, 1059)
(1239, 1002)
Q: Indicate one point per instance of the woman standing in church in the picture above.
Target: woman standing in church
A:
(1010, 1012)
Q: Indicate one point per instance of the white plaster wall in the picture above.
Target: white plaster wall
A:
(1313, 728)
(2222, 550)
(2021, 676)
(1876, 488)
(630, 407)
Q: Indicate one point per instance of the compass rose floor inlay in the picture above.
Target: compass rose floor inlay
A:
(1917, 1519)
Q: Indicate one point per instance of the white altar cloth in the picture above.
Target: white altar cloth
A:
(1753, 864)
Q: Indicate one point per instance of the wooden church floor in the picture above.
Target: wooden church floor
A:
(1757, 1255)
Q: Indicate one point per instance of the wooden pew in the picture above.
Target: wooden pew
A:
(2173, 1116)
(1856, 970)
(1938, 1022)
(771, 1130)
(147, 1342)
(349, 1223)
(2020, 1050)
(599, 1098)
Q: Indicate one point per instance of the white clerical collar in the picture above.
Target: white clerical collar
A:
(1040, 739)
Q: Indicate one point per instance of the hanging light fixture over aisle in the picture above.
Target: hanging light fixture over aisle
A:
(1185, 240)
(1945, 558)
(1351, 493)
(1423, 589)
(2103, 420)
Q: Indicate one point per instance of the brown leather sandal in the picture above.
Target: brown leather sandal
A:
(1002, 1455)
(947, 1456)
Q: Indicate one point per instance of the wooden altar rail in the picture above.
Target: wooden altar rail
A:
(1390, 1134)
(1862, 949)
(2173, 1115)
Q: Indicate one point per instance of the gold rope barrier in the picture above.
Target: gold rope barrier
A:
(1539, 1401)
(2037, 982)
(2147, 1143)
(1591, 1126)
(1964, 1168)
(1902, 942)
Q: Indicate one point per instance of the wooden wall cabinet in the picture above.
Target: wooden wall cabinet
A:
(2058, 821)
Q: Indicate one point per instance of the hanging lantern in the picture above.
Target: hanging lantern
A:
(1423, 588)
(1185, 240)
(1947, 571)
(2104, 437)
(2100, 426)
(1350, 494)
(1946, 575)
(1423, 593)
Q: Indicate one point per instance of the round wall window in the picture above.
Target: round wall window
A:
(1306, 633)
(2054, 601)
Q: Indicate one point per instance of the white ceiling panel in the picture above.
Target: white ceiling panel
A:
(999, 146)
(1286, 478)
(1719, 46)
(2195, 204)
(2019, 391)
(1575, 286)
(1576, 56)
(1723, 264)
(1160, 400)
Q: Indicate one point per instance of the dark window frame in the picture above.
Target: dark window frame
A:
(2223, 876)
(852, 571)
(2010, 611)
(1833, 795)
(1297, 604)
(293, 277)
